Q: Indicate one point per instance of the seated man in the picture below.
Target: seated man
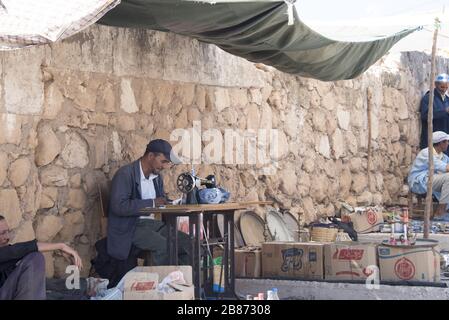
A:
(22, 266)
(136, 186)
(419, 173)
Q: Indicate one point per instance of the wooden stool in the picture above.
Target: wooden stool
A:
(420, 206)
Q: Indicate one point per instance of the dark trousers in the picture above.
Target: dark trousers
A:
(27, 281)
(152, 235)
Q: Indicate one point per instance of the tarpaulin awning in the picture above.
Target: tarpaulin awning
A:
(29, 22)
(259, 32)
(366, 28)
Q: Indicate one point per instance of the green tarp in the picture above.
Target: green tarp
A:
(257, 31)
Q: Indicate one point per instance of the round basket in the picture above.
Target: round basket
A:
(322, 234)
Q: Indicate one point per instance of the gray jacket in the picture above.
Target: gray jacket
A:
(124, 204)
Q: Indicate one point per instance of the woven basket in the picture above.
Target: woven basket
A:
(321, 234)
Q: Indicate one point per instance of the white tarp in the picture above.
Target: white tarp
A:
(31, 22)
(374, 28)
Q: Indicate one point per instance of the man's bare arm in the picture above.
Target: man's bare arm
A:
(46, 246)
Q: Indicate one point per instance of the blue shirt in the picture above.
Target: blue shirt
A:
(419, 173)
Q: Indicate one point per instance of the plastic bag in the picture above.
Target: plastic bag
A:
(175, 277)
(95, 286)
(115, 293)
(183, 224)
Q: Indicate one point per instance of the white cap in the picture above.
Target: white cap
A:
(439, 136)
(442, 77)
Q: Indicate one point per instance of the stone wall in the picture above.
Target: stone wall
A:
(73, 112)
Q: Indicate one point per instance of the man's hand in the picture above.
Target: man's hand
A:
(76, 258)
(160, 202)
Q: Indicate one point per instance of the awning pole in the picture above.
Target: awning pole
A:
(369, 102)
(429, 133)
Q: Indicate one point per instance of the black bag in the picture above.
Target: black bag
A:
(347, 227)
(111, 268)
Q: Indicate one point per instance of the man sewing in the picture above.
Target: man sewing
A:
(136, 186)
(419, 173)
(22, 266)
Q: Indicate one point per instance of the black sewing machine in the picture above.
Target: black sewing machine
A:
(189, 184)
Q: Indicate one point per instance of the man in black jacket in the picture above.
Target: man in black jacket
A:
(22, 266)
(440, 109)
(135, 186)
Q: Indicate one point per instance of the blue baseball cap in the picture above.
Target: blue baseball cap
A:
(164, 147)
(442, 77)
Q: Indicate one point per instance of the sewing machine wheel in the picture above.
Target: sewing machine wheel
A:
(185, 182)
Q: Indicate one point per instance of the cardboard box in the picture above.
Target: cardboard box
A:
(141, 284)
(367, 221)
(409, 264)
(248, 262)
(349, 260)
(300, 260)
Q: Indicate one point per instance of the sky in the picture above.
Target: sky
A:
(363, 20)
(347, 9)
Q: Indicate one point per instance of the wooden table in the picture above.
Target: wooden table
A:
(203, 215)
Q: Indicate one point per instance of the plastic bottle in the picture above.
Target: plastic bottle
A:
(274, 294)
(270, 295)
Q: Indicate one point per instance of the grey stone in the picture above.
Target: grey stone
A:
(10, 207)
(75, 153)
(48, 146)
